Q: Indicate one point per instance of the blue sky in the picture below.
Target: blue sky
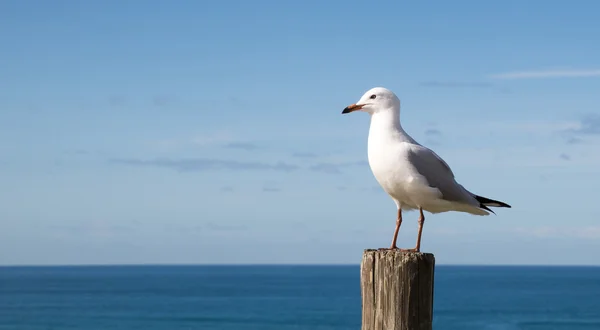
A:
(211, 132)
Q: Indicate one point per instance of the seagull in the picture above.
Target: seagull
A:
(413, 175)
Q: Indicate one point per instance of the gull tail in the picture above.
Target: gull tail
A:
(485, 202)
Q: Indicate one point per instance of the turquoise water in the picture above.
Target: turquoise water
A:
(285, 298)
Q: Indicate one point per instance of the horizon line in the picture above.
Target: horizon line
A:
(272, 265)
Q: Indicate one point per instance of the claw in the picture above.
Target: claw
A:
(410, 250)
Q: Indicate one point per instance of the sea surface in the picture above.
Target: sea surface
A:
(285, 298)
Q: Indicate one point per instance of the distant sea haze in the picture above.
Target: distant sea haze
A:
(286, 298)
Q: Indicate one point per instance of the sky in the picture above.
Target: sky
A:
(210, 132)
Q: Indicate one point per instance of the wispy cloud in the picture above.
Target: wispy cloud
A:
(207, 139)
(585, 232)
(271, 189)
(305, 155)
(433, 132)
(335, 168)
(564, 156)
(433, 136)
(326, 168)
(206, 164)
(456, 84)
(537, 127)
(545, 74)
(574, 140)
(227, 189)
(589, 125)
(214, 138)
(235, 100)
(241, 146)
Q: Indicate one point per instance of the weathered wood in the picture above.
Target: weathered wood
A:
(397, 290)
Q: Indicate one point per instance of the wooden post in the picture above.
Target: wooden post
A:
(397, 290)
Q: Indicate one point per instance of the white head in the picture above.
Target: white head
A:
(375, 100)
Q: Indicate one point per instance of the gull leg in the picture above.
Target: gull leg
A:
(421, 221)
(398, 223)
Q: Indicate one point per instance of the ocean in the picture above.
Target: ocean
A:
(286, 298)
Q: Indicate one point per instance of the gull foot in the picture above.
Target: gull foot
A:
(410, 250)
(389, 248)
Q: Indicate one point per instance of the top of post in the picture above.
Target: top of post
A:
(398, 252)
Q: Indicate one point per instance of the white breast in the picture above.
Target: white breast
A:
(386, 154)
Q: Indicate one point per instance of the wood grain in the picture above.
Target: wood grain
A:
(397, 290)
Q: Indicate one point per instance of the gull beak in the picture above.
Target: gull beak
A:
(352, 107)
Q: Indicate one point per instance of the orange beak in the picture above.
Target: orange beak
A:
(352, 107)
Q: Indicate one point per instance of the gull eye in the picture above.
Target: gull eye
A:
(373, 97)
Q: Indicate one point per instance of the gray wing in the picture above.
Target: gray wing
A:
(438, 175)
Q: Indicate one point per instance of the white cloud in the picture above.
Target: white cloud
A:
(542, 74)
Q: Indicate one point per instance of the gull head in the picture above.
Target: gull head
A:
(375, 100)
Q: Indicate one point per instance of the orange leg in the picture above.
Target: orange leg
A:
(421, 221)
(398, 223)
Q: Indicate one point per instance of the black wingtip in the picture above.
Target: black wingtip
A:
(486, 208)
(485, 202)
